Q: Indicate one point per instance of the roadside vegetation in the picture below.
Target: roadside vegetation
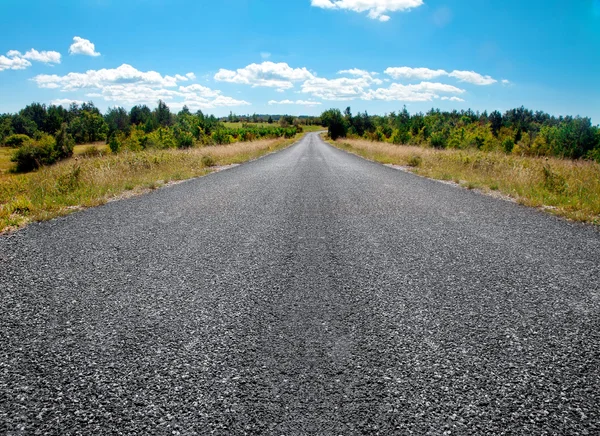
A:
(519, 132)
(537, 159)
(96, 175)
(55, 160)
(565, 187)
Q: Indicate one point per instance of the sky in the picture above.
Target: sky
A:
(302, 57)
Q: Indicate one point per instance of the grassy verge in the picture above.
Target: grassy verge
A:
(567, 188)
(82, 181)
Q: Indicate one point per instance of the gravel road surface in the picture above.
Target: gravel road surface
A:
(306, 293)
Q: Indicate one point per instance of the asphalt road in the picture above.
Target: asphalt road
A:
(306, 293)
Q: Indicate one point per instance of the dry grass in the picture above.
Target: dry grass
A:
(564, 187)
(90, 181)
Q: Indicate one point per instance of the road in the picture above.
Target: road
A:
(309, 292)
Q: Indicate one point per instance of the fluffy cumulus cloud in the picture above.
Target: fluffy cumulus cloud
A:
(15, 60)
(297, 102)
(370, 76)
(267, 74)
(357, 84)
(126, 85)
(428, 74)
(424, 91)
(376, 9)
(340, 89)
(457, 99)
(414, 73)
(83, 46)
(472, 77)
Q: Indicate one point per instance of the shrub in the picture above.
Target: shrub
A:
(114, 143)
(185, 140)
(400, 137)
(17, 140)
(64, 143)
(437, 140)
(30, 157)
(414, 161)
(553, 181)
(92, 151)
(222, 137)
(508, 145)
(208, 161)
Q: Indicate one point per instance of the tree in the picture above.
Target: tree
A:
(495, 122)
(162, 114)
(335, 123)
(24, 126)
(139, 115)
(117, 120)
(64, 143)
(270, 120)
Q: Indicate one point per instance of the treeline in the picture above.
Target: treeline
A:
(270, 119)
(44, 134)
(519, 131)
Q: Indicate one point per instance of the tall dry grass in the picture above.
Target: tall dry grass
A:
(86, 181)
(569, 188)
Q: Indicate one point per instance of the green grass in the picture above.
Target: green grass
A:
(84, 181)
(5, 163)
(568, 188)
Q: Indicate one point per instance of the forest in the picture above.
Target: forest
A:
(42, 135)
(518, 131)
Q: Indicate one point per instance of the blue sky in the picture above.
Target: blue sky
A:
(303, 56)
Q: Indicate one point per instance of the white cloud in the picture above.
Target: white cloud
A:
(191, 76)
(377, 9)
(414, 73)
(337, 89)
(452, 99)
(506, 82)
(15, 60)
(472, 77)
(362, 73)
(65, 102)
(298, 102)
(267, 74)
(424, 91)
(428, 74)
(83, 46)
(46, 57)
(128, 86)
(199, 90)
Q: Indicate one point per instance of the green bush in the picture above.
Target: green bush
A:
(414, 161)
(17, 140)
(437, 140)
(31, 156)
(208, 161)
(114, 144)
(508, 145)
(64, 143)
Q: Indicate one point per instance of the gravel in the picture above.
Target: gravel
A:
(308, 292)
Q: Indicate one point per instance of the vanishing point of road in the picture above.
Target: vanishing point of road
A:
(309, 292)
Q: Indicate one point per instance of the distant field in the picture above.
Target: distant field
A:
(100, 145)
(239, 126)
(7, 152)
